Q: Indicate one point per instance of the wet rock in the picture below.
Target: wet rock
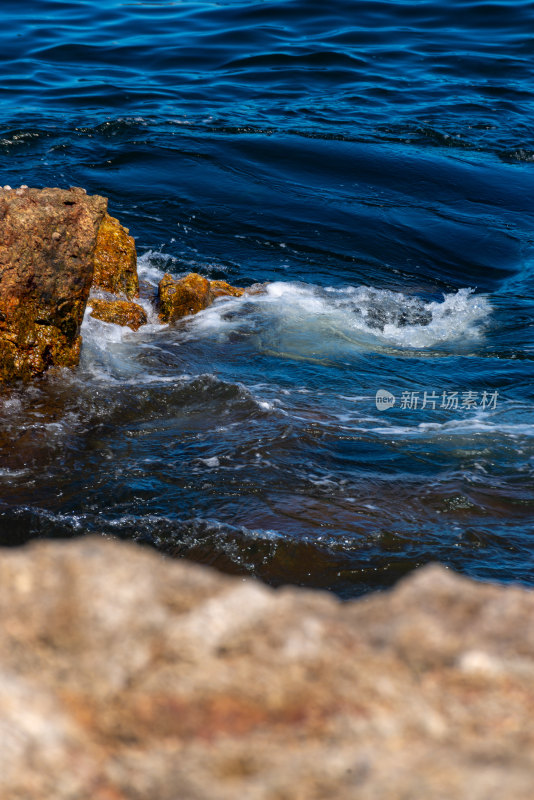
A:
(223, 289)
(162, 679)
(47, 243)
(178, 298)
(115, 260)
(119, 312)
(257, 288)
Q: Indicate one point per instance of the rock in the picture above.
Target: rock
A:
(47, 242)
(223, 289)
(257, 288)
(189, 295)
(125, 675)
(119, 312)
(115, 260)
(178, 298)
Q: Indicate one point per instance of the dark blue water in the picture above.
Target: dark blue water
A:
(375, 162)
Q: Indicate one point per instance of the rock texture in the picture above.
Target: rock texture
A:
(119, 312)
(115, 268)
(223, 289)
(47, 243)
(123, 675)
(189, 295)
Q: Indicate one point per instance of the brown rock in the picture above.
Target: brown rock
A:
(189, 295)
(223, 289)
(123, 675)
(178, 298)
(47, 242)
(119, 312)
(115, 260)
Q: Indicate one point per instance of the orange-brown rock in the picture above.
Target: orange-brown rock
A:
(189, 295)
(47, 243)
(119, 312)
(178, 298)
(115, 260)
(223, 289)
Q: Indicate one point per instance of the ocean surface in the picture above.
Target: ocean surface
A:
(374, 162)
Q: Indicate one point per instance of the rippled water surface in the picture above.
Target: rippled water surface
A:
(374, 161)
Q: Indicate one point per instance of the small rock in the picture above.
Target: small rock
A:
(179, 298)
(119, 312)
(223, 289)
(257, 288)
(189, 295)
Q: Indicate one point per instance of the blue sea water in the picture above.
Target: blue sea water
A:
(374, 161)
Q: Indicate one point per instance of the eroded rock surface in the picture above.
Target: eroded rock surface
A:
(123, 675)
(47, 243)
(115, 260)
(119, 312)
(178, 298)
(223, 289)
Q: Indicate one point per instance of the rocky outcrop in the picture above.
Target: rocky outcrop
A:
(115, 262)
(47, 243)
(119, 312)
(126, 676)
(56, 244)
(178, 298)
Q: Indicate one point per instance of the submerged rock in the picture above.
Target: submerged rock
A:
(164, 680)
(119, 312)
(115, 260)
(47, 243)
(178, 298)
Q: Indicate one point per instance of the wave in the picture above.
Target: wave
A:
(364, 317)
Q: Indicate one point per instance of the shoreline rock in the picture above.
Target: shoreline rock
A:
(118, 312)
(115, 262)
(47, 242)
(163, 679)
(55, 245)
(181, 297)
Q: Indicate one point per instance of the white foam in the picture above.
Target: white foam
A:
(467, 426)
(312, 321)
(12, 473)
(151, 266)
(211, 462)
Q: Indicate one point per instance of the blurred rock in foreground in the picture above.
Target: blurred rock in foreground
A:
(123, 675)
